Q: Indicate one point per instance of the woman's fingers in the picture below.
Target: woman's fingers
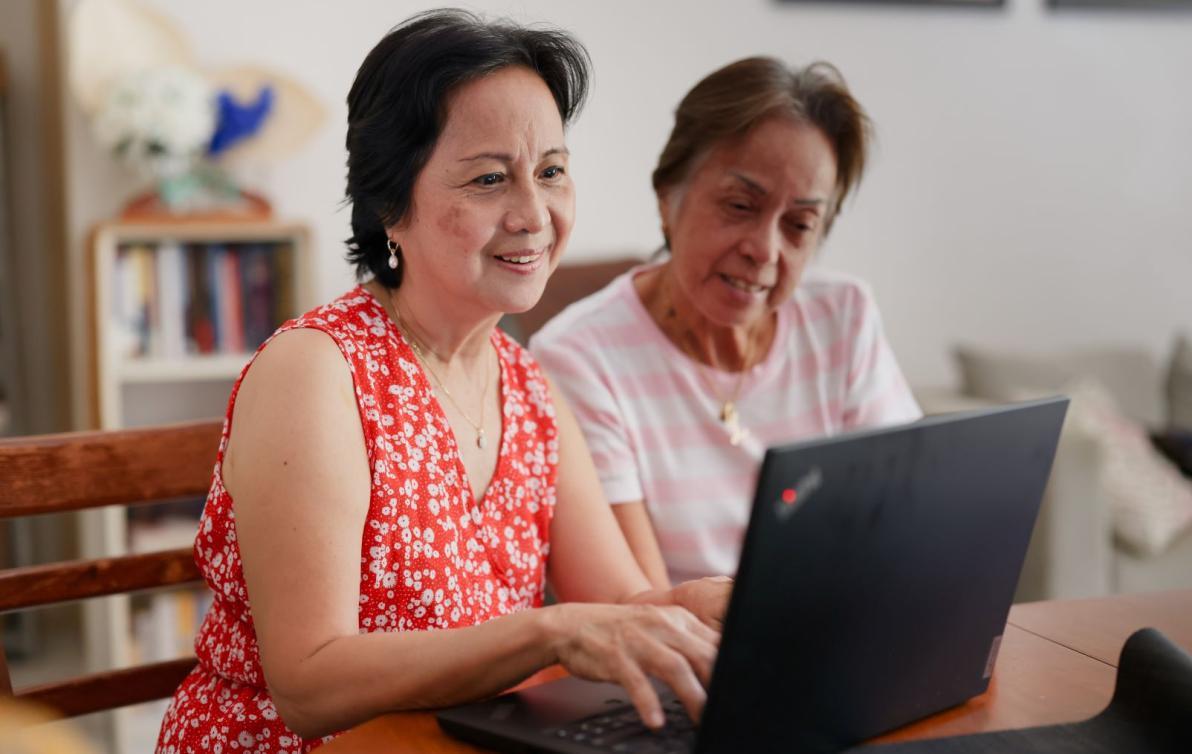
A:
(641, 694)
(676, 651)
(630, 645)
(700, 629)
(695, 641)
(675, 670)
(700, 654)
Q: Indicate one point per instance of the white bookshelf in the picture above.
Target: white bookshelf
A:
(151, 384)
(117, 370)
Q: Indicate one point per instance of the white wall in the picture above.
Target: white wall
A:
(1030, 188)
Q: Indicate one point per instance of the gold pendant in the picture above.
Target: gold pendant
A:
(728, 413)
(732, 422)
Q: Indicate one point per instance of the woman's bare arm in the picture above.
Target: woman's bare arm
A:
(592, 562)
(634, 520)
(297, 470)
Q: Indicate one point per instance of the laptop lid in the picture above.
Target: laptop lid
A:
(876, 577)
(874, 584)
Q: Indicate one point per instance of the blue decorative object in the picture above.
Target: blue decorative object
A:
(237, 121)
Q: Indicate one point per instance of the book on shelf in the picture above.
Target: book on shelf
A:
(171, 300)
(257, 293)
(222, 297)
(134, 299)
(171, 286)
(199, 326)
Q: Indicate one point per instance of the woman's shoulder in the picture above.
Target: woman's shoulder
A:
(301, 369)
(512, 352)
(355, 312)
(324, 340)
(355, 321)
(820, 282)
(304, 364)
(335, 350)
(839, 295)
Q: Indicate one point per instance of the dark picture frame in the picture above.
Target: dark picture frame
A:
(952, 3)
(1126, 5)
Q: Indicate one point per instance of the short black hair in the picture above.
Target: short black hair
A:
(397, 109)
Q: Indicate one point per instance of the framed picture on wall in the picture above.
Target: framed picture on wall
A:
(974, 3)
(1124, 4)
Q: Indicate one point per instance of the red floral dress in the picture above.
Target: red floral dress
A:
(431, 557)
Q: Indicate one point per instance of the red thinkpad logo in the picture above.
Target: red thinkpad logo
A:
(792, 497)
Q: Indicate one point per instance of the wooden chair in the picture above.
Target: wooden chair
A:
(77, 471)
(568, 284)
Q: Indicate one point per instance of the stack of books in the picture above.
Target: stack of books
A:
(173, 299)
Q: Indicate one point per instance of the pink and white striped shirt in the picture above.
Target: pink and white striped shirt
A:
(651, 418)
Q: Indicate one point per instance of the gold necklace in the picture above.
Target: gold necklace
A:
(419, 351)
(728, 414)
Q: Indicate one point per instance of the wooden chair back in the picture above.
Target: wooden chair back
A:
(568, 284)
(84, 470)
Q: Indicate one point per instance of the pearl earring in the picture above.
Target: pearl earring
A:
(393, 249)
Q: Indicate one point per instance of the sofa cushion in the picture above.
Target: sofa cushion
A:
(1179, 386)
(1151, 501)
(1131, 376)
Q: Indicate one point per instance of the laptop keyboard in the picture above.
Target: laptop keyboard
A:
(621, 730)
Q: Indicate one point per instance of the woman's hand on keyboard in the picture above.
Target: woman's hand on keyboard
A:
(626, 644)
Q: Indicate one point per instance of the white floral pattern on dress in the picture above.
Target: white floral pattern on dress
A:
(431, 556)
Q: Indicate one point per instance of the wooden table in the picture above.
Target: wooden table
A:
(1099, 627)
(1057, 664)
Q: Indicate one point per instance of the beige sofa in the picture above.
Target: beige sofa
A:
(1076, 550)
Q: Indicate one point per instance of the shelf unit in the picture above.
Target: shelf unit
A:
(116, 370)
(139, 381)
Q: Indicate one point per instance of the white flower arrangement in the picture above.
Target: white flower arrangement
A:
(158, 120)
(152, 106)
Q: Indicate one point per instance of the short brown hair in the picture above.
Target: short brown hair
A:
(730, 101)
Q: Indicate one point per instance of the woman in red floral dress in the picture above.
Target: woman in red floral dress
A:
(397, 479)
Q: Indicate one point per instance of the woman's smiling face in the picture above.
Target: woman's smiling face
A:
(748, 219)
(493, 208)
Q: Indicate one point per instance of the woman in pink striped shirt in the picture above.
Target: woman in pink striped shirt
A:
(682, 371)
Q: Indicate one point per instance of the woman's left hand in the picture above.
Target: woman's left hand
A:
(706, 598)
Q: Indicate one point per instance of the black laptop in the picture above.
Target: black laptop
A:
(874, 584)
